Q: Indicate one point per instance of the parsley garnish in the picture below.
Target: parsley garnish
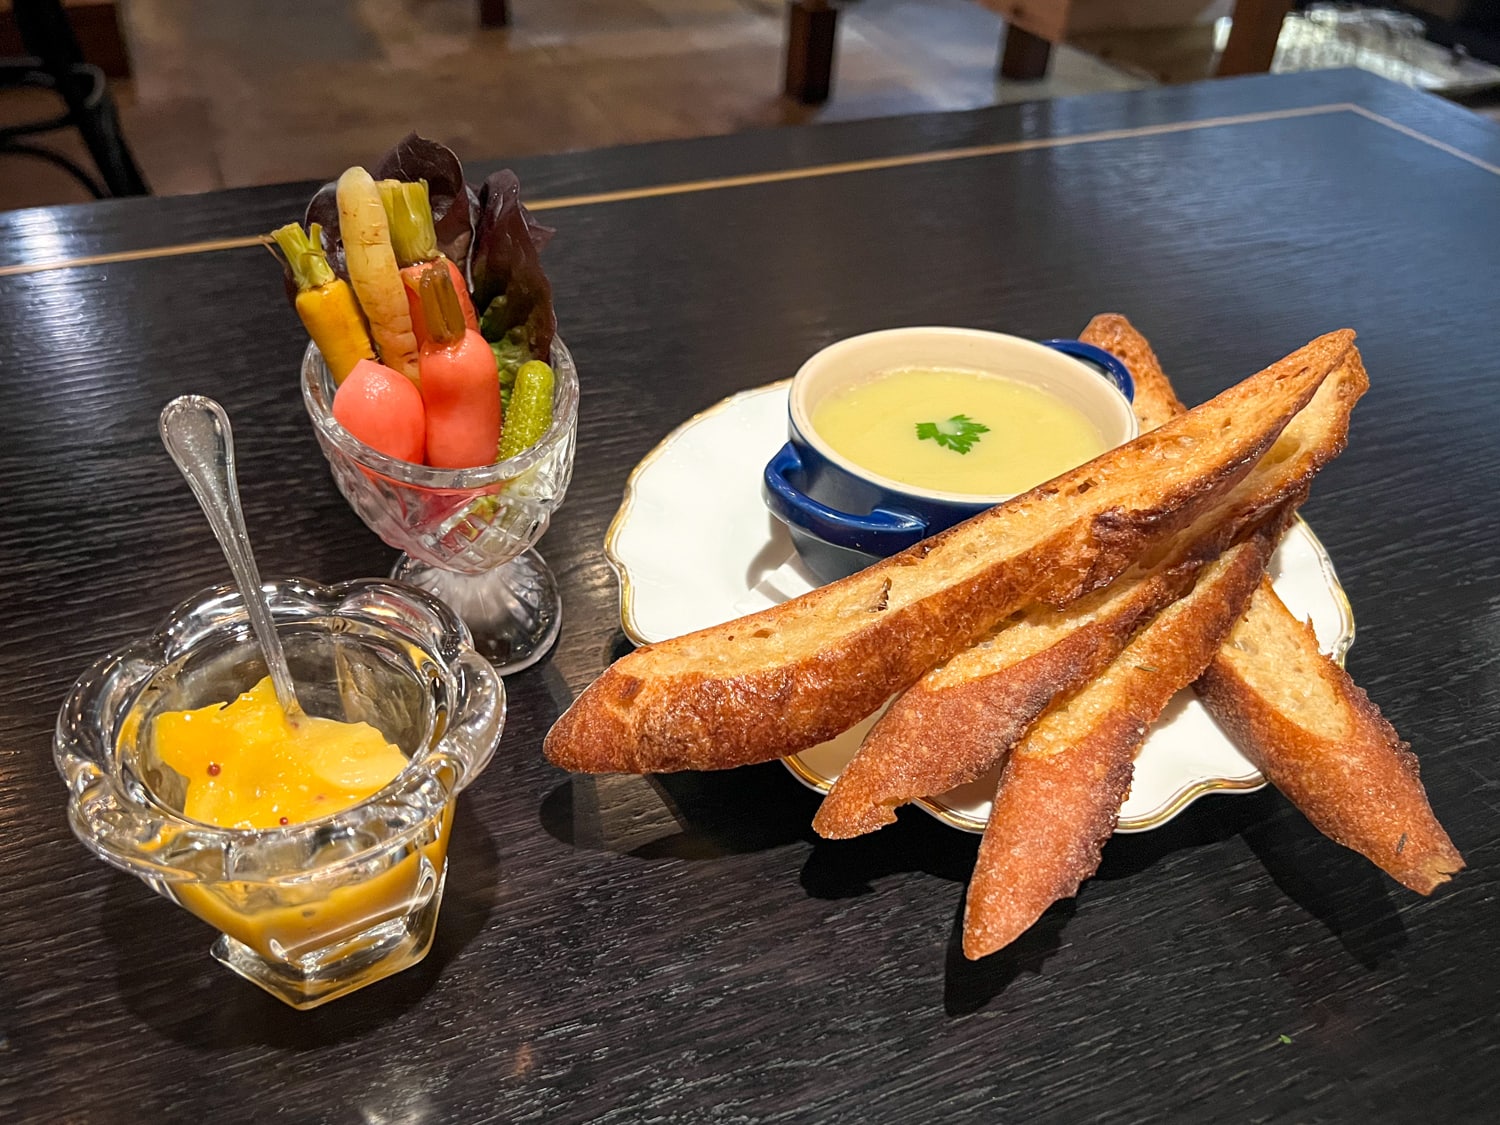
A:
(958, 433)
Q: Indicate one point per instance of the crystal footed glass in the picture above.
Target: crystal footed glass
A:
(467, 534)
(313, 910)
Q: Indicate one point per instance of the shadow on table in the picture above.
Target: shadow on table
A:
(620, 646)
(1340, 888)
(686, 816)
(165, 976)
(1346, 892)
(916, 842)
(1343, 890)
(1209, 820)
(969, 986)
(706, 815)
(696, 815)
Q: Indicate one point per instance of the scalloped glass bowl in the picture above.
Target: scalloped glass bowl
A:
(467, 534)
(314, 910)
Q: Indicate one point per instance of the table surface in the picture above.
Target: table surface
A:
(685, 948)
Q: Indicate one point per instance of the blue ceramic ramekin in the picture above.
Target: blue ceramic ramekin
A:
(842, 517)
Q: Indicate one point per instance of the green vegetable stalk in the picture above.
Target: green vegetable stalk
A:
(511, 352)
(408, 212)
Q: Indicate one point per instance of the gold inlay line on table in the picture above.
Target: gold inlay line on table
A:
(816, 171)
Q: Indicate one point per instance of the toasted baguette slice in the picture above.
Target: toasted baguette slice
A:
(1313, 733)
(789, 677)
(1155, 402)
(960, 719)
(1317, 737)
(1060, 792)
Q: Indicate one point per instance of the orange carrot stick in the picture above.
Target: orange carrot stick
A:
(409, 214)
(460, 381)
(384, 410)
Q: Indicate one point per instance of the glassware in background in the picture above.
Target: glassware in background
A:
(466, 534)
(315, 910)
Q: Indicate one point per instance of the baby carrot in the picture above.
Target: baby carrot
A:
(373, 272)
(460, 381)
(408, 211)
(382, 408)
(325, 303)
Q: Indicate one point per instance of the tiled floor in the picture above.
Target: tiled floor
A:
(229, 93)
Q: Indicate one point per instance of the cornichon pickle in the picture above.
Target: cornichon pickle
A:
(530, 410)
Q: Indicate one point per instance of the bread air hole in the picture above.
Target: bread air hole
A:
(914, 554)
(762, 633)
(1283, 451)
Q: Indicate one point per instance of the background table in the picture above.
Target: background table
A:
(686, 949)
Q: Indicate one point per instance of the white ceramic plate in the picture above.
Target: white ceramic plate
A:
(694, 546)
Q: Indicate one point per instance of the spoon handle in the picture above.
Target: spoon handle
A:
(197, 435)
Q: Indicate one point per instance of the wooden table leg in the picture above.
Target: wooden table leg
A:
(1025, 56)
(1252, 36)
(494, 13)
(811, 32)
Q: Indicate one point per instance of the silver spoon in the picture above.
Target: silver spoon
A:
(196, 432)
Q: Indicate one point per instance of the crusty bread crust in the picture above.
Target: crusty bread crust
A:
(789, 677)
(1060, 792)
(1326, 746)
(933, 738)
(960, 719)
(1155, 403)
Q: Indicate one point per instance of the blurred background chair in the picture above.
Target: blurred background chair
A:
(53, 61)
(229, 93)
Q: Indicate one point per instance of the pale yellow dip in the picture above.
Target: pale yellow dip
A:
(1030, 436)
(248, 766)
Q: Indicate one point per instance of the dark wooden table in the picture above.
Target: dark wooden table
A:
(617, 950)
